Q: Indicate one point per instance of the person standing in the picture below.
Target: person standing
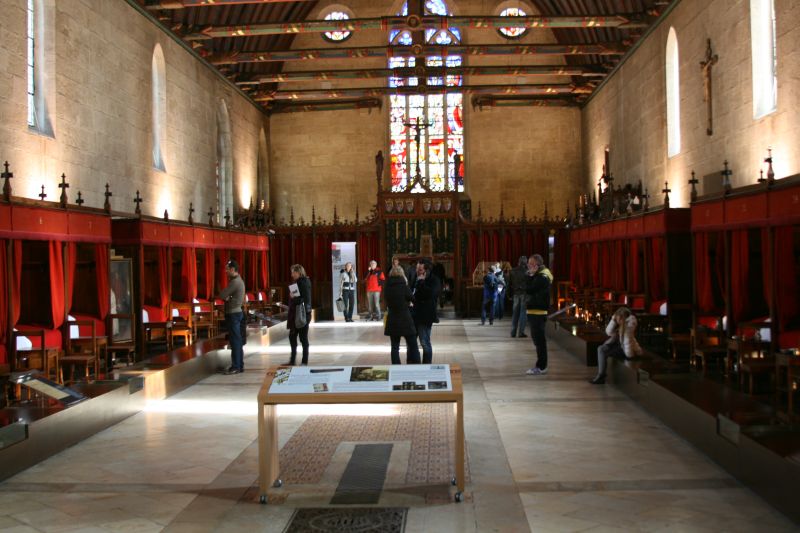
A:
(489, 296)
(426, 296)
(233, 296)
(399, 322)
(375, 281)
(347, 290)
(538, 291)
(516, 289)
(500, 298)
(621, 343)
(301, 298)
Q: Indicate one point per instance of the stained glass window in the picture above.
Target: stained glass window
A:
(513, 33)
(427, 131)
(336, 36)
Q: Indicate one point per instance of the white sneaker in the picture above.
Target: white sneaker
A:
(536, 371)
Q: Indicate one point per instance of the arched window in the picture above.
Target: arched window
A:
(512, 8)
(39, 40)
(765, 79)
(673, 96)
(439, 115)
(224, 161)
(336, 12)
(159, 106)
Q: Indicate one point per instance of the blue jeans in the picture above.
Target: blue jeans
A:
(537, 324)
(412, 350)
(488, 303)
(518, 318)
(424, 333)
(349, 299)
(233, 322)
(499, 304)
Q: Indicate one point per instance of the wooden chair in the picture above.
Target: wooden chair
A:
(707, 345)
(121, 348)
(182, 322)
(205, 320)
(43, 358)
(563, 291)
(83, 352)
(754, 358)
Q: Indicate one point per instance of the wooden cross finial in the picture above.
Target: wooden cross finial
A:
(693, 182)
(761, 178)
(726, 177)
(43, 195)
(166, 215)
(211, 216)
(646, 196)
(770, 172)
(138, 200)
(80, 199)
(107, 204)
(291, 216)
(666, 190)
(227, 218)
(313, 214)
(191, 213)
(63, 186)
(335, 215)
(6, 175)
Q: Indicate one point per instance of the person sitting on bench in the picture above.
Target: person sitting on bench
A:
(621, 331)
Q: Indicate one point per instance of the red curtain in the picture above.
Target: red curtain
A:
(656, 278)
(208, 268)
(472, 252)
(221, 275)
(740, 269)
(635, 278)
(719, 267)
(188, 275)
(606, 267)
(56, 283)
(103, 288)
(788, 297)
(251, 272)
(263, 271)
(16, 282)
(366, 249)
(702, 261)
(618, 264)
(574, 266)
(766, 267)
(72, 266)
(3, 300)
(163, 275)
(594, 263)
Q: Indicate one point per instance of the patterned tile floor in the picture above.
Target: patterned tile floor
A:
(548, 453)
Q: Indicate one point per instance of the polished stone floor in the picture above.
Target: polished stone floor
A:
(549, 453)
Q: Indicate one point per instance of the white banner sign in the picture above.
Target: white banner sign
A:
(342, 253)
(388, 378)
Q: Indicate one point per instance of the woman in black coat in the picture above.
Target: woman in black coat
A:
(399, 323)
(304, 286)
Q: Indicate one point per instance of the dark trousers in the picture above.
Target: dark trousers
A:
(537, 323)
(424, 333)
(412, 350)
(303, 333)
(488, 305)
(500, 304)
(349, 299)
(233, 322)
(611, 348)
(518, 318)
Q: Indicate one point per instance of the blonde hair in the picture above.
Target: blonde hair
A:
(398, 272)
(624, 313)
(299, 269)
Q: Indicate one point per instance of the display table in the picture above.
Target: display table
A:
(391, 384)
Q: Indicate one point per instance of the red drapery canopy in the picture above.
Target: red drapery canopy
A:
(56, 283)
(221, 275)
(766, 266)
(72, 267)
(208, 269)
(740, 270)
(188, 275)
(103, 287)
(702, 258)
(3, 301)
(163, 276)
(251, 270)
(594, 263)
(786, 271)
(606, 265)
(16, 282)
(618, 264)
(657, 280)
(635, 262)
(263, 270)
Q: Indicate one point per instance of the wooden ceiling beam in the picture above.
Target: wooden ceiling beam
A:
(428, 22)
(376, 92)
(384, 73)
(183, 4)
(603, 49)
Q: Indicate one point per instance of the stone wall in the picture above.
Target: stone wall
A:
(628, 114)
(101, 113)
(512, 155)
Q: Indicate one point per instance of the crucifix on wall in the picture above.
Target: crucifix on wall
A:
(706, 66)
(418, 127)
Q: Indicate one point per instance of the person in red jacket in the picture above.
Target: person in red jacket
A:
(375, 279)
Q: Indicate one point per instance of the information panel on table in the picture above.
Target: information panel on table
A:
(386, 378)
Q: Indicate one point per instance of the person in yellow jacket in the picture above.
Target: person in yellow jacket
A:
(537, 288)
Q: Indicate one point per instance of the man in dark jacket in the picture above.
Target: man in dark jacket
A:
(426, 295)
(538, 291)
(518, 280)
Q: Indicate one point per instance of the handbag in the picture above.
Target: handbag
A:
(300, 316)
(340, 305)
